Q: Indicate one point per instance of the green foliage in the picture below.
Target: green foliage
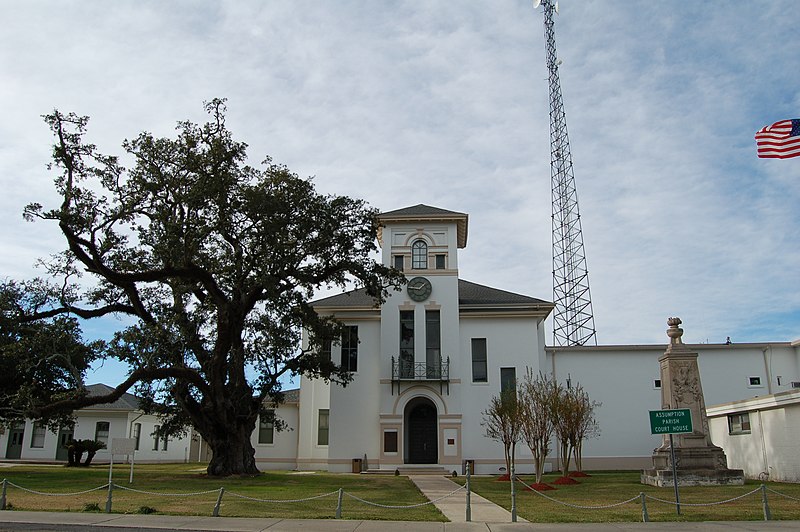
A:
(146, 510)
(91, 507)
(39, 359)
(214, 262)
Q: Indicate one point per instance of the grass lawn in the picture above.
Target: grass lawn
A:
(191, 478)
(608, 487)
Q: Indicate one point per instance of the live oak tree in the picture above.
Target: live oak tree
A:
(214, 262)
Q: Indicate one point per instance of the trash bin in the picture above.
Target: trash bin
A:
(356, 465)
(471, 464)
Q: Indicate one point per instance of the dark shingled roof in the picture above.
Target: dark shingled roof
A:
(469, 294)
(126, 402)
(419, 210)
(478, 294)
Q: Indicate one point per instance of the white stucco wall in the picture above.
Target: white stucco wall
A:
(769, 450)
(282, 452)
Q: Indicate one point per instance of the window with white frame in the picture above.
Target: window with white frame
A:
(323, 427)
(156, 439)
(37, 436)
(479, 370)
(266, 428)
(754, 382)
(350, 348)
(656, 384)
(101, 430)
(419, 255)
(739, 423)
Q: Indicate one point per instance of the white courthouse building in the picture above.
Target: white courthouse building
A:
(426, 363)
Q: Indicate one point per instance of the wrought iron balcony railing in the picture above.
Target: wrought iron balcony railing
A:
(409, 371)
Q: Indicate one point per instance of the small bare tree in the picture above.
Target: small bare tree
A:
(501, 422)
(564, 424)
(585, 424)
(538, 398)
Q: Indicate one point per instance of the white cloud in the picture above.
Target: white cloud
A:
(446, 103)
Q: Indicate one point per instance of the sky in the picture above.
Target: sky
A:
(446, 103)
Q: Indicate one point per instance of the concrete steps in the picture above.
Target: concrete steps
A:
(411, 469)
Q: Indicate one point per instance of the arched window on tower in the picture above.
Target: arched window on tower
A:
(419, 255)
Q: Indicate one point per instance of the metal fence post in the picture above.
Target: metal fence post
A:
(215, 513)
(469, 507)
(645, 516)
(513, 495)
(3, 497)
(110, 497)
(339, 504)
(765, 503)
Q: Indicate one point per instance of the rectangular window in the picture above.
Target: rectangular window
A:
(508, 380)
(350, 348)
(479, 372)
(440, 262)
(327, 348)
(322, 429)
(390, 441)
(657, 384)
(433, 342)
(266, 427)
(164, 442)
(155, 437)
(101, 431)
(398, 262)
(754, 382)
(137, 434)
(739, 423)
(407, 344)
(37, 436)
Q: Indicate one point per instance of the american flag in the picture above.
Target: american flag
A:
(781, 140)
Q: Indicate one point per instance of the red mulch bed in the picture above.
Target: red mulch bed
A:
(504, 478)
(540, 486)
(565, 481)
(579, 474)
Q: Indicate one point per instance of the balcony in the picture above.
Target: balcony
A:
(421, 372)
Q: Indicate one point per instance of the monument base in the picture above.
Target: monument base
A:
(662, 478)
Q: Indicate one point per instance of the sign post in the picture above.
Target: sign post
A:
(676, 421)
(126, 446)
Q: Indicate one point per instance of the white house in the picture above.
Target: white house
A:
(760, 435)
(121, 419)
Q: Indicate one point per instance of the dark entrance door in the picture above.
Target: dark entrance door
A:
(15, 437)
(422, 441)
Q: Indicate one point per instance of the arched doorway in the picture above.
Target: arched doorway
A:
(421, 427)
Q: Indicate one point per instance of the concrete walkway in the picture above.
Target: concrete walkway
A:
(75, 521)
(455, 508)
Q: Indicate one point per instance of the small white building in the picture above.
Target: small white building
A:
(32, 441)
(760, 435)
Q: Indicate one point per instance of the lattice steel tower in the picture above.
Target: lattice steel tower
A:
(573, 321)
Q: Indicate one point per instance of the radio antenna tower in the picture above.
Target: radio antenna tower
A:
(573, 321)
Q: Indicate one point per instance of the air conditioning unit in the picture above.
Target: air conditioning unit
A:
(795, 384)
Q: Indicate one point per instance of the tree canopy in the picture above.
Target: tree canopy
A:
(214, 260)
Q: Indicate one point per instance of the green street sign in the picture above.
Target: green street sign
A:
(678, 421)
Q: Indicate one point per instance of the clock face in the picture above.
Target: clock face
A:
(419, 288)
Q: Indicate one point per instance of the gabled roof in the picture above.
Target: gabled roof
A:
(126, 402)
(472, 297)
(425, 213)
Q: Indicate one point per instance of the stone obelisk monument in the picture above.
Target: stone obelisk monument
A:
(698, 462)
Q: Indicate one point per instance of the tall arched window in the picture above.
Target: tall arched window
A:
(419, 255)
